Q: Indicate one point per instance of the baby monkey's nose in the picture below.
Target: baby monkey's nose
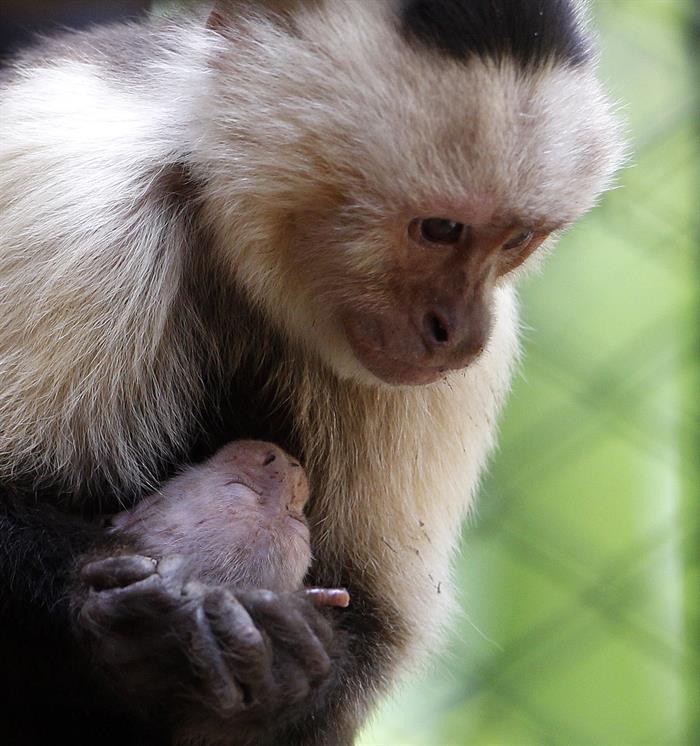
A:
(283, 474)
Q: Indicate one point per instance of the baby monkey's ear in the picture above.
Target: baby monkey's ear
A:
(225, 13)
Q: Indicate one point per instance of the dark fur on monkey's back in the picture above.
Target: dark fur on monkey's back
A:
(529, 31)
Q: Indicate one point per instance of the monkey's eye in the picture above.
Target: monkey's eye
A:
(519, 241)
(438, 230)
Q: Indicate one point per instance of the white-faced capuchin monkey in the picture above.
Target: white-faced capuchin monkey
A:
(298, 222)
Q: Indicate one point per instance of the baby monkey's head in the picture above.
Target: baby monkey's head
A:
(238, 517)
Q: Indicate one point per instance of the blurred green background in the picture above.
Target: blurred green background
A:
(580, 571)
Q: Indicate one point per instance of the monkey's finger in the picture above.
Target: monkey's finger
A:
(146, 600)
(117, 572)
(223, 692)
(338, 597)
(174, 571)
(284, 622)
(319, 622)
(321, 627)
(242, 645)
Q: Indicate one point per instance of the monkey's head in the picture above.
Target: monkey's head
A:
(238, 517)
(406, 157)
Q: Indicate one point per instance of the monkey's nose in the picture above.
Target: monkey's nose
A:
(454, 334)
(437, 329)
(270, 455)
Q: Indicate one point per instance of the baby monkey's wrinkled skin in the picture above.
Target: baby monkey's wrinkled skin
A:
(239, 516)
(238, 519)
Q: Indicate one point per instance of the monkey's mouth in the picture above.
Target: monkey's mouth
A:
(397, 354)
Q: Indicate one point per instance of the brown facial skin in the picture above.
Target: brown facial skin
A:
(436, 316)
(238, 518)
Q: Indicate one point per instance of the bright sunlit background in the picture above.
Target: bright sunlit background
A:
(580, 572)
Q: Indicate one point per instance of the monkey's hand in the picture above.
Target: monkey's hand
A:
(208, 652)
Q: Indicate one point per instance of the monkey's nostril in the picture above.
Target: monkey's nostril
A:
(269, 459)
(436, 328)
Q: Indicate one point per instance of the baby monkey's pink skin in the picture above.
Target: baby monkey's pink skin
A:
(239, 519)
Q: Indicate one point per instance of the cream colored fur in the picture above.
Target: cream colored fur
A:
(101, 351)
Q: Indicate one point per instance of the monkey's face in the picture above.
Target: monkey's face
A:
(396, 269)
(411, 291)
(436, 314)
(238, 518)
(396, 188)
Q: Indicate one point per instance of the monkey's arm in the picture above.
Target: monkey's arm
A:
(253, 667)
(37, 549)
(324, 711)
(138, 644)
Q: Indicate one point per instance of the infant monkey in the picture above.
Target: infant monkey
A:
(239, 519)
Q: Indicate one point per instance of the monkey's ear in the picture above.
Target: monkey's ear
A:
(225, 13)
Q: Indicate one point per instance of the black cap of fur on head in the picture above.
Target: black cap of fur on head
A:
(531, 32)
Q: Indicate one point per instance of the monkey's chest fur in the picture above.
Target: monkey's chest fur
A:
(237, 405)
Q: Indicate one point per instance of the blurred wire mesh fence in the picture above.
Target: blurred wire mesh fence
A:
(581, 570)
